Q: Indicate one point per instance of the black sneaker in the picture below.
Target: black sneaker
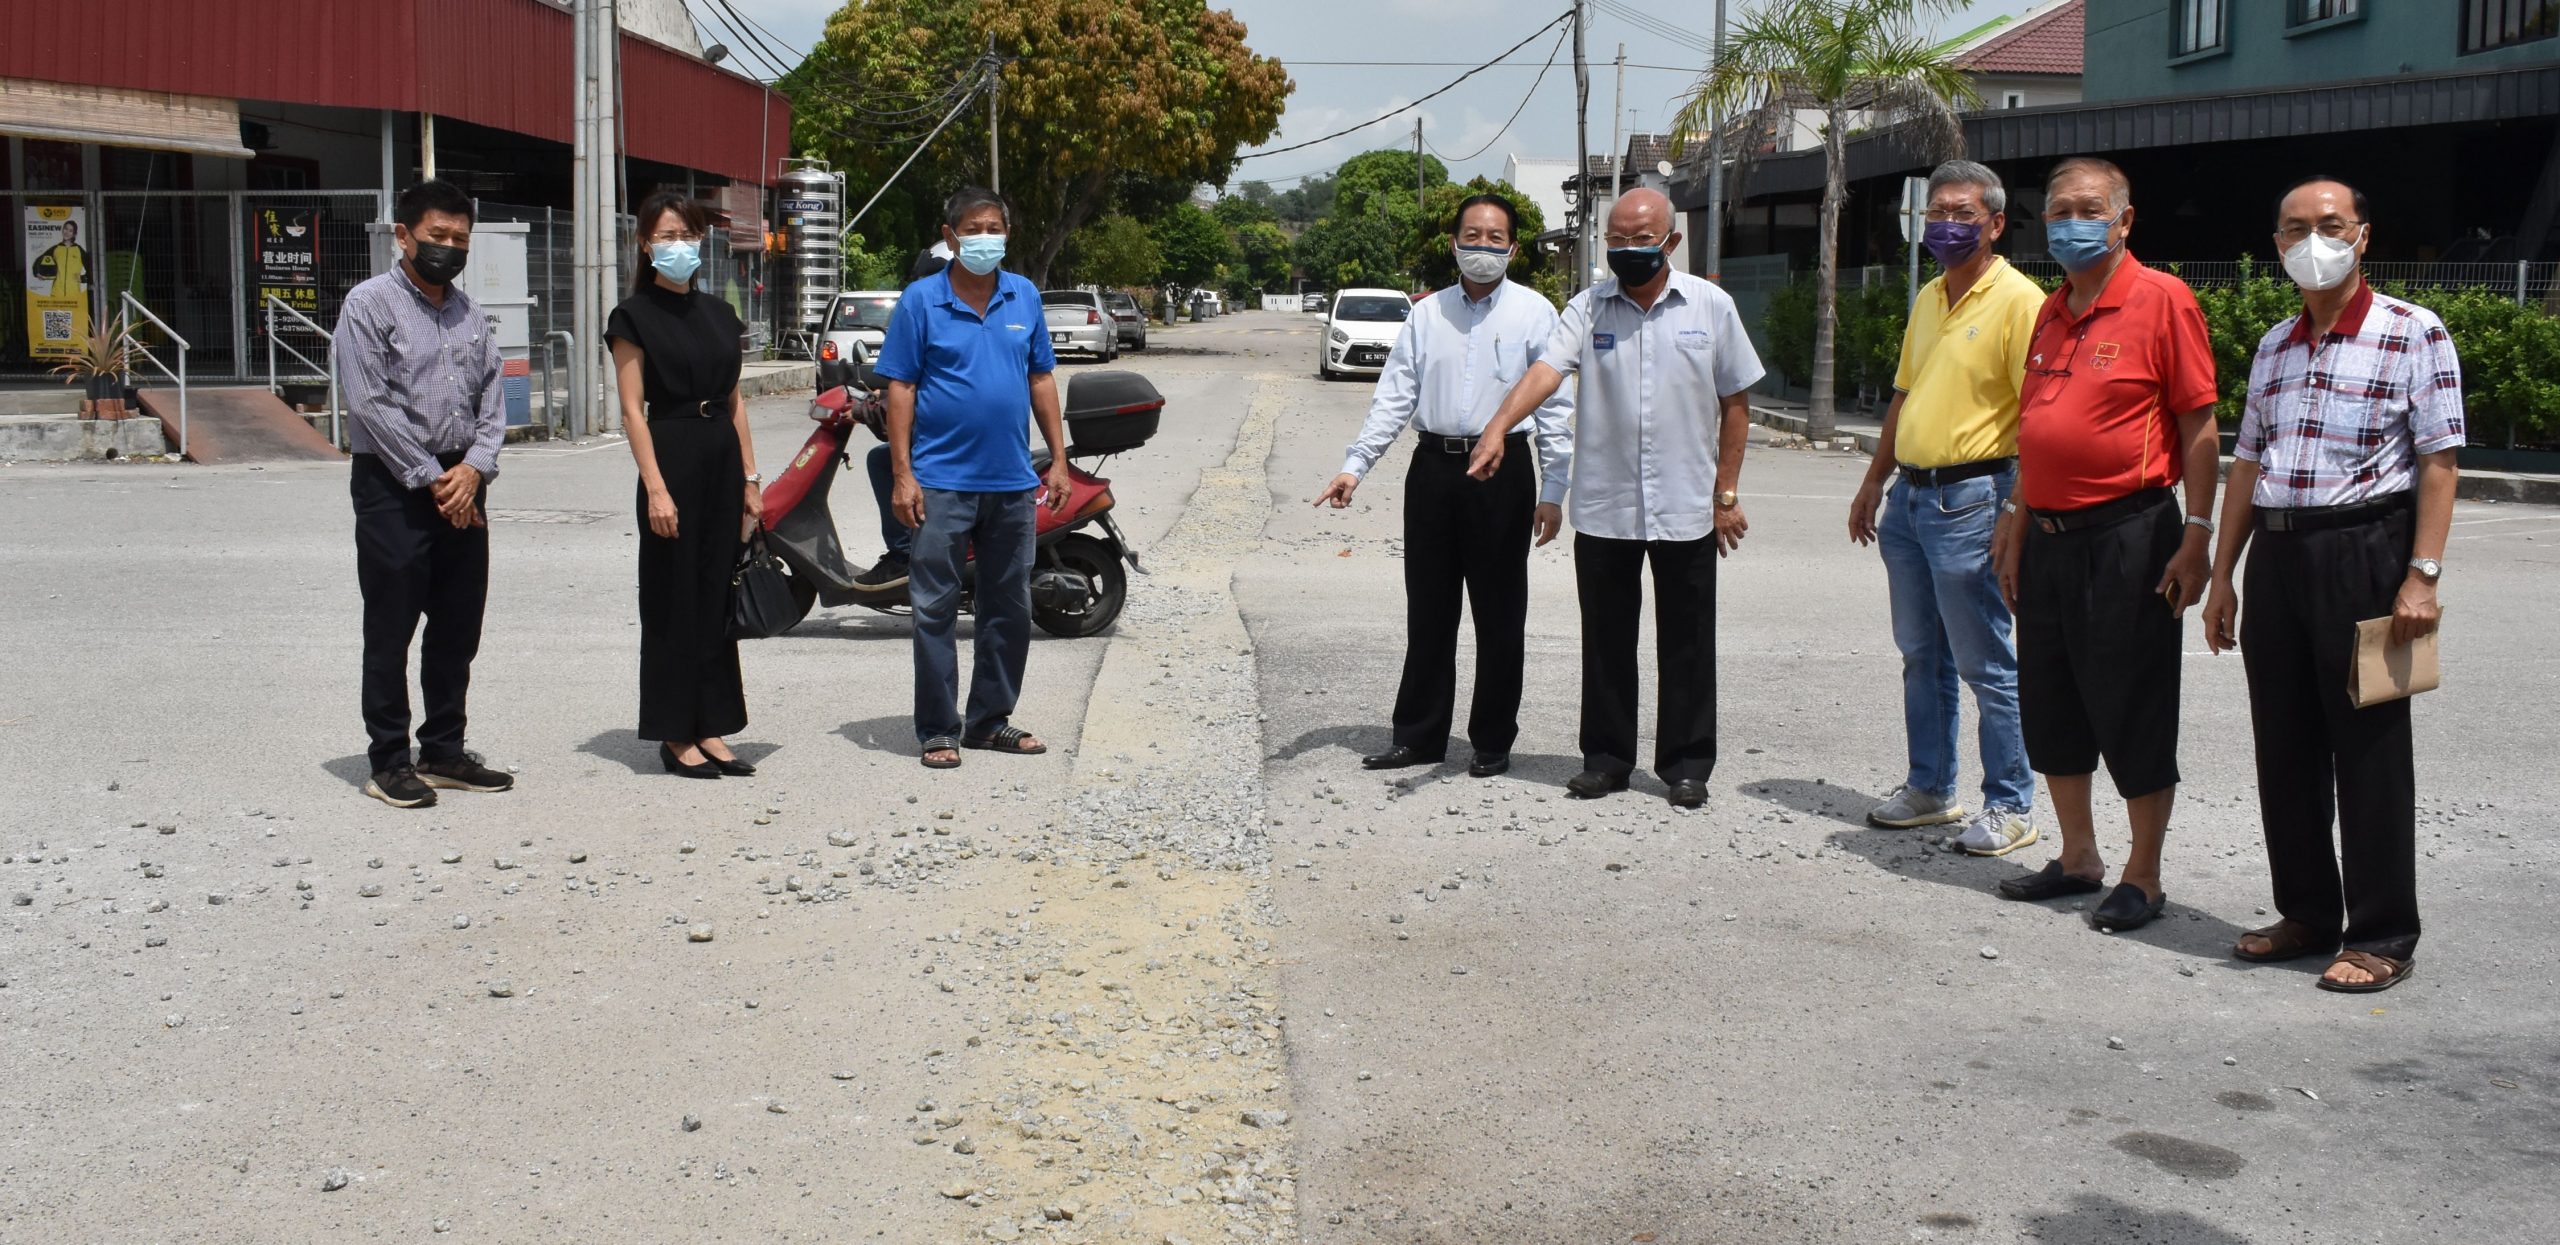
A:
(399, 787)
(464, 774)
(889, 572)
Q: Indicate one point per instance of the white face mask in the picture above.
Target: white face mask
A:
(2318, 263)
(1483, 265)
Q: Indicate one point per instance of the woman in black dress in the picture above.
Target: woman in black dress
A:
(676, 354)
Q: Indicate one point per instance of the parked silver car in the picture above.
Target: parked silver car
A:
(1131, 321)
(858, 316)
(1080, 324)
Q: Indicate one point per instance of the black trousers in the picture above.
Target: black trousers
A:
(2099, 653)
(690, 685)
(2318, 755)
(1609, 577)
(1470, 538)
(410, 564)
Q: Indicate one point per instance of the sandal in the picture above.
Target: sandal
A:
(2387, 972)
(1006, 739)
(2287, 939)
(942, 743)
(2049, 882)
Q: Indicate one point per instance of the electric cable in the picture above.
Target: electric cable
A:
(1515, 113)
(1533, 37)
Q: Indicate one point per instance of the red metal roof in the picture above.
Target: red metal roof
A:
(499, 63)
(2047, 43)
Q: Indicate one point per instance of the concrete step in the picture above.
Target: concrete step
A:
(69, 438)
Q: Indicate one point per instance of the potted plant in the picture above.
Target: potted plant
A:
(98, 364)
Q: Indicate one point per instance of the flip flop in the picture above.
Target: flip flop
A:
(1007, 739)
(2387, 972)
(942, 743)
(2287, 939)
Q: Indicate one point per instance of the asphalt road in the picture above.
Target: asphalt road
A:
(1508, 1016)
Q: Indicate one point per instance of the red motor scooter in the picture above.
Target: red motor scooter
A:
(1078, 582)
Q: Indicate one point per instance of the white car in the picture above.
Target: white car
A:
(1359, 329)
(857, 318)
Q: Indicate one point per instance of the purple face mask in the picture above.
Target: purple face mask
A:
(1953, 242)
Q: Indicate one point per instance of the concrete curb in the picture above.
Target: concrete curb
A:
(67, 438)
(2498, 486)
(766, 379)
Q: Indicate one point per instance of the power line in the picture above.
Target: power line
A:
(1533, 36)
(1651, 25)
(1515, 113)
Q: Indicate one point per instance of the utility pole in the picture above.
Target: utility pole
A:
(1617, 147)
(1715, 165)
(1581, 153)
(995, 110)
(1417, 166)
(595, 206)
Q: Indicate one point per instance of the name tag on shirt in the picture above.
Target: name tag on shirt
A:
(1604, 341)
(1696, 339)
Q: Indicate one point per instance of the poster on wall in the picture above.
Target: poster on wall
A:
(286, 262)
(57, 281)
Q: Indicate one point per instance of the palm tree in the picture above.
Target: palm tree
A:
(1869, 63)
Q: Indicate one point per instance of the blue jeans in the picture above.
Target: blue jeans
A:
(1000, 528)
(1949, 621)
(895, 537)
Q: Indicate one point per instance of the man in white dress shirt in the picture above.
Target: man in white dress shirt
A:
(1657, 472)
(1460, 352)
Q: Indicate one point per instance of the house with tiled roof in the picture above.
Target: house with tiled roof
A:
(2030, 61)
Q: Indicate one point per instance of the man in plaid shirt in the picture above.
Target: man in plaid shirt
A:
(2345, 472)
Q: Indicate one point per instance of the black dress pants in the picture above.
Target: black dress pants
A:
(412, 563)
(2319, 756)
(1609, 576)
(1471, 537)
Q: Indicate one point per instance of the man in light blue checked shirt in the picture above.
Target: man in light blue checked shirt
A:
(424, 402)
(1460, 352)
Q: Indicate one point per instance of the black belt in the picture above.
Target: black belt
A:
(1928, 477)
(2102, 514)
(2323, 518)
(704, 409)
(1432, 442)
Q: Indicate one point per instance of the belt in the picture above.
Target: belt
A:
(1434, 443)
(1927, 477)
(2323, 518)
(2102, 514)
(689, 410)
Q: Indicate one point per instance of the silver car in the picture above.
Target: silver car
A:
(860, 317)
(1131, 321)
(1079, 323)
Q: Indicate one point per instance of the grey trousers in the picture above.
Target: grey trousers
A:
(999, 528)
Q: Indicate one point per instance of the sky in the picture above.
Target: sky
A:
(1470, 118)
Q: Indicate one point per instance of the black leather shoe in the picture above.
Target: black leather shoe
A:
(2127, 908)
(1489, 765)
(667, 757)
(2049, 882)
(1401, 757)
(1591, 784)
(731, 766)
(1688, 793)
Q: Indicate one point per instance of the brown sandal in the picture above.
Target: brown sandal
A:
(2287, 939)
(2387, 972)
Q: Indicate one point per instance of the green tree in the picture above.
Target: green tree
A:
(1307, 202)
(1864, 63)
(1115, 250)
(1263, 255)
(1428, 245)
(1351, 250)
(1094, 91)
(1194, 245)
(1382, 181)
(1236, 211)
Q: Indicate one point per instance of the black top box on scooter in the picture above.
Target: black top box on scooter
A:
(1108, 412)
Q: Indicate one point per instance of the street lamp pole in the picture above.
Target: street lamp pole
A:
(1581, 152)
(1715, 165)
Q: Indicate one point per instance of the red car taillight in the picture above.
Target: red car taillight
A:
(827, 352)
(1093, 317)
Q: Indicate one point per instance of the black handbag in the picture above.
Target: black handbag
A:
(760, 602)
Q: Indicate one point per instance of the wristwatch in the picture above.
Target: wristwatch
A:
(755, 477)
(1728, 498)
(2428, 569)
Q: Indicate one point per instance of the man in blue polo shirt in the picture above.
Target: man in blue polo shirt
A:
(967, 352)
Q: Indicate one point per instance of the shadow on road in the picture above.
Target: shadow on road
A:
(354, 771)
(2095, 1219)
(640, 756)
(1358, 741)
(894, 734)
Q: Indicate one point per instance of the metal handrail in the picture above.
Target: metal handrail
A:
(273, 305)
(133, 308)
(551, 414)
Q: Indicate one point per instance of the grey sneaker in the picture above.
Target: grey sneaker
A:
(1906, 809)
(1997, 832)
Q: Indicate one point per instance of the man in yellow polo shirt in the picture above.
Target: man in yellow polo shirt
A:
(1951, 441)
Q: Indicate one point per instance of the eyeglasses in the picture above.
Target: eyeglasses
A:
(1620, 241)
(675, 235)
(2333, 229)
(1965, 217)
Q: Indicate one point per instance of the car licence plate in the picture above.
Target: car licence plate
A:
(1058, 339)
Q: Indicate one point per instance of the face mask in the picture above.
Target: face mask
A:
(2318, 263)
(2079, 245)
(1635, 265)
(1952, 241)
(981, 252)
(438, 264)
(676, 261)
(1483, 265)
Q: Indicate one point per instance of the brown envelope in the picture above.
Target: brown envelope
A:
(2384, 673)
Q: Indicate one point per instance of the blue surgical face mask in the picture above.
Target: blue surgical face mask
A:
(981, 252)
(2079, 245)
(676, 261)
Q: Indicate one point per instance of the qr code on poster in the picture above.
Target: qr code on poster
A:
(57, 326)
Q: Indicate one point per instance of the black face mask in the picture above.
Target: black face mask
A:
(438, 264)
(1635, 267)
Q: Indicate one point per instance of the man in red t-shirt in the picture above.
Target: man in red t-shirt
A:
(2115, 412)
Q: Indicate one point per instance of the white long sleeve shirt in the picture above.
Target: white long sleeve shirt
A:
(1452, 365)
(1649, 416)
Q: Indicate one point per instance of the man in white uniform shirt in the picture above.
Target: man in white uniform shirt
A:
(1460, 352)
(1663, 416)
